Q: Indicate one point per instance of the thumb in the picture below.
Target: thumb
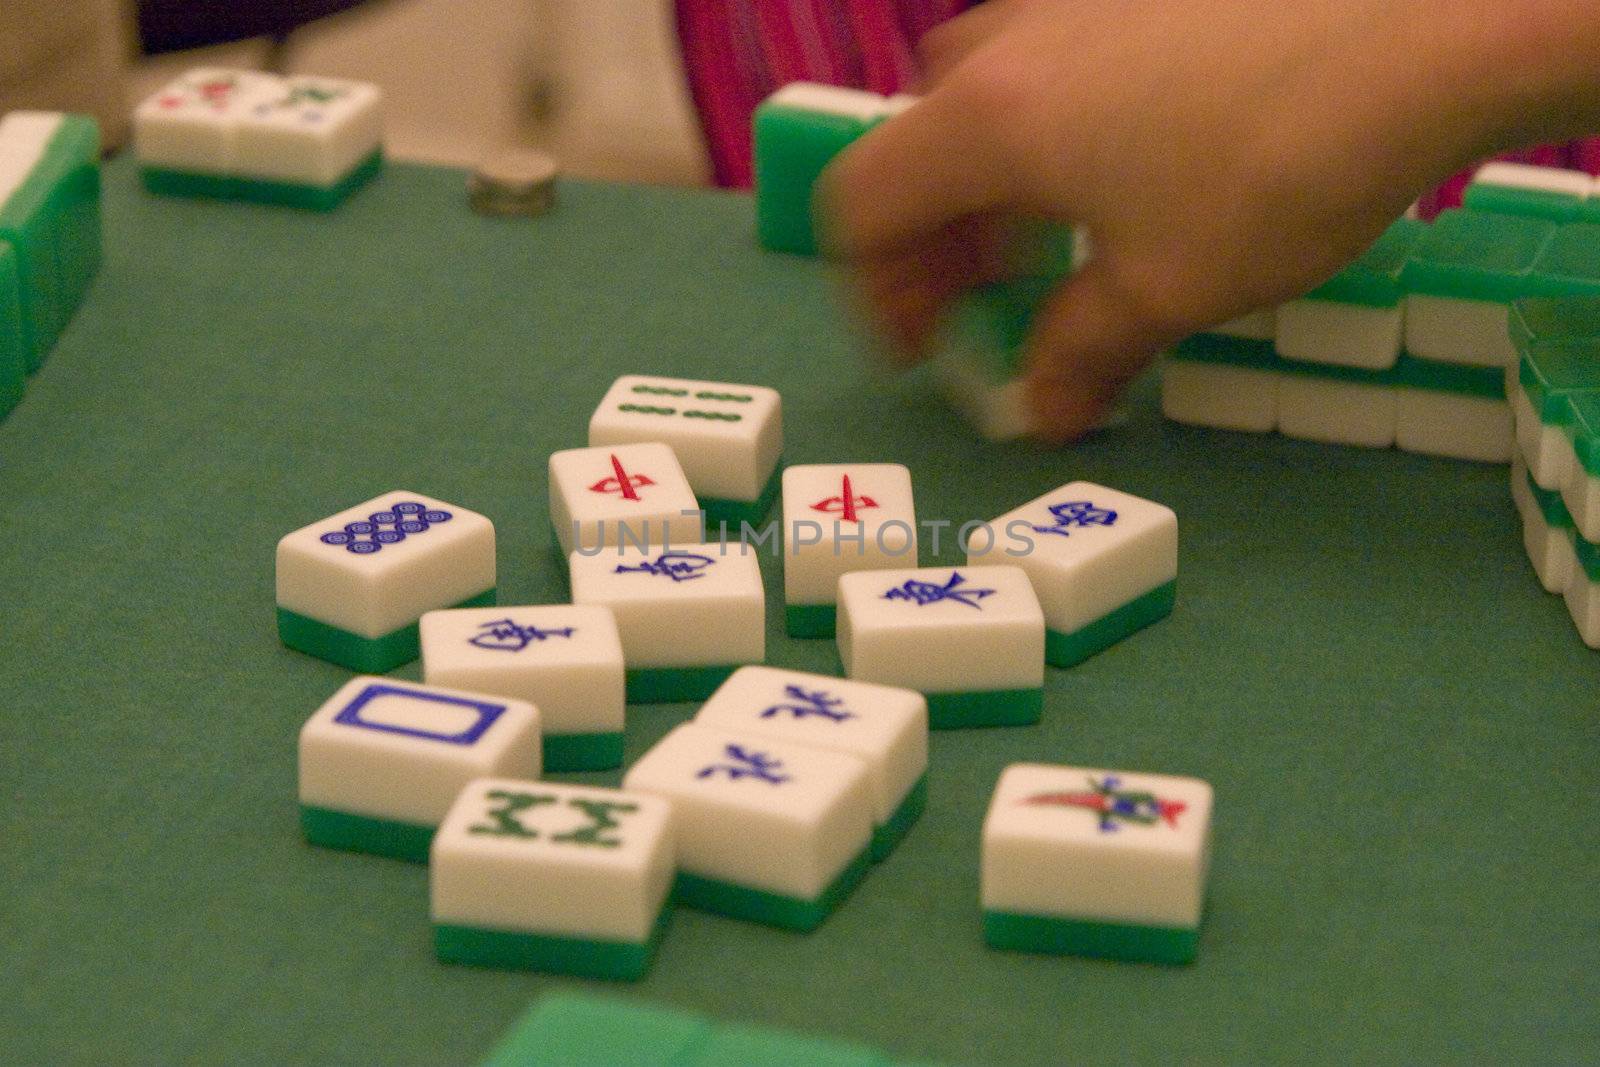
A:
(1090, 339)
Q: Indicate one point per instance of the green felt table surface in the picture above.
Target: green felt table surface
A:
(1402, 730)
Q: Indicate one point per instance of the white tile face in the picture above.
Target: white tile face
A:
(1088, 550)
(1347, 335)
(1257, 326)
(885, 727)
(1541, 179)
(1581, 494)
(398, 750)
(312, 131)
(193, 123)
(700, 605)
(378, 566)
(830, 99)
(1335, 412)
(759, 812)
(1583, 604)
(24, 138)
(942, 629)
(537, 857)
(1225, 398)
(565, 659)
(1100, 845)
(844, 517)
(726, 437)
(899, 104)
(1546, 448)
(1474, 332)
(1461, 427)
(621, 494)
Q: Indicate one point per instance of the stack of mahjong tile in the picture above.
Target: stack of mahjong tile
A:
(1555, 476)
(567, 1028)
(49, 235)
(1409, 345)
(299, 140)
(777, 799)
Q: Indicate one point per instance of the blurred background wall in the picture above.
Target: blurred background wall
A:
(596, 82)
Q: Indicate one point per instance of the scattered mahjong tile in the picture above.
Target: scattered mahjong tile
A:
(1523, 189)
(970, 639)
(382, 761)
(557, 878)
(1096, 863)
(565, 659)
(352, 587)
(840, 517)
(728, 438)
(302, 141)
(883, 726)
(1103, 563)
(622, 494)
(687, 616)
(767, 830)
(314, 132)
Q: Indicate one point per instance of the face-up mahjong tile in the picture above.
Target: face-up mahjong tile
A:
(382, 760)
(313, 131)
(726, 437)
(552, 877)
(192, 123)
(621, 494)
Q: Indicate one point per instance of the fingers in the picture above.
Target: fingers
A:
(909, 179)
(943, 48)
(905, 295)
(1090, 340)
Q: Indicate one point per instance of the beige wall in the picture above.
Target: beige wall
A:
(463, 77)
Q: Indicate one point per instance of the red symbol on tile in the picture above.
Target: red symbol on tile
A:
(621, 482)
(170, 102)
(845, 504)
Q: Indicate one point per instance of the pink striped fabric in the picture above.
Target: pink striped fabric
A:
(737, 52)
(1574, 155)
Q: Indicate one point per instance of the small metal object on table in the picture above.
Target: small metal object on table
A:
(518, 182)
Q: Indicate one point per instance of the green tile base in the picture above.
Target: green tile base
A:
(985, 707)
(550, 953)
(891, 833)
(675, 685)
(733, 512)
(773, 909)
(581, 752)
(1054, 936)
(365, 833)
(259, 191)
(1069, 649)
(810, 620)
(369, 655)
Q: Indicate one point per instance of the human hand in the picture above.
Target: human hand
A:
(1223, 156)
